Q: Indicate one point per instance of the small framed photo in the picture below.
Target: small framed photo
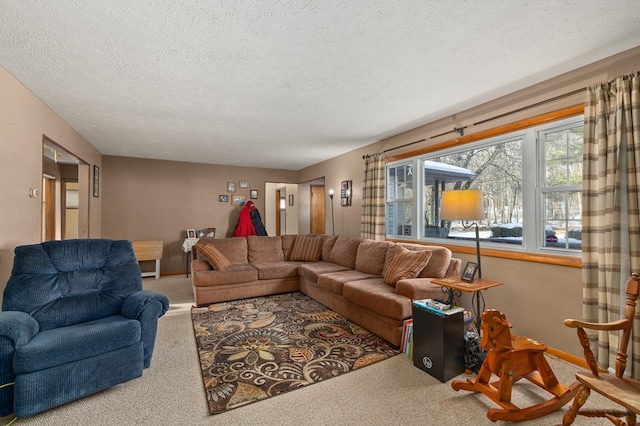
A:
(244, 184)
(223, 198)
(253, 194)
(210, 232)
(237, 200)
(469, 272)
(231, 187)
(191, 233)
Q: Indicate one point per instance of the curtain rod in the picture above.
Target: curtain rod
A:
(460, 130)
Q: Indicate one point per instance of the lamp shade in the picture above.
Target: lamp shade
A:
(462, 204)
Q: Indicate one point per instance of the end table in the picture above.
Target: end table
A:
(453, 285)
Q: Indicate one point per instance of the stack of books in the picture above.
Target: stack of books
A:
(437, 307)
(406, 345)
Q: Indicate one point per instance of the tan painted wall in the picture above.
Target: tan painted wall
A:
(24, 119)
(158, 200)
(148, 199)
(535, 297)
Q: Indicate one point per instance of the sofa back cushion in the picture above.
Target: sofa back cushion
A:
(265, 249)
(327, 246)
(439, 262)
(287, 245)
(371, 255)
(306, 248)
(235, 249)
(344, 251)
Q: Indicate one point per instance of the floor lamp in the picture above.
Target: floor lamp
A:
(333, 224)
(464, 205)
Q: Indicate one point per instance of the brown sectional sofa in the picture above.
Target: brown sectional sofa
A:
(347, 274)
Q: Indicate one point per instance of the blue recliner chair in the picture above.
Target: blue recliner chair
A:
(74, 321)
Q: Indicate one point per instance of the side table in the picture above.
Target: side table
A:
(438, 346)
(455, 286)
(187, 245)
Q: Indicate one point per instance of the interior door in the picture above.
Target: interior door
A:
(317, 209)
(277, 212)
(48, 209)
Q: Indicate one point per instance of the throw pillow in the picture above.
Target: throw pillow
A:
(306, 249)
(215, 257)
(406, 264)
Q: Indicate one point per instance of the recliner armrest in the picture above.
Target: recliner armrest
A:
(146, 306)
(135, 304)
(18, 326)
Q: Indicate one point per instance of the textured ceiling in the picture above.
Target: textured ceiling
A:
(286, 84)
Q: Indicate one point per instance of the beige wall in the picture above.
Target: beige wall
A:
(149, 199)
(536, 297)
(24, 119)
(158, 200)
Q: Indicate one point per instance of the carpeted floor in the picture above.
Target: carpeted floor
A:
(390, 392)
(256, 348)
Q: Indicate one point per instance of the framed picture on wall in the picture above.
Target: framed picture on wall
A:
(231, 187)
(96, 181)
(223, 198)
(244, 184)
(237, 199)
(253, 194)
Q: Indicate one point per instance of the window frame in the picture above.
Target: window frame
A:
(533, 174)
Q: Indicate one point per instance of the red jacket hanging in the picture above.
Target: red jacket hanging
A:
(245, 227)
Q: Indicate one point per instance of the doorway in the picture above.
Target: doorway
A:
(281, 206)
(281, 210)
(317, 203)
(65, 193)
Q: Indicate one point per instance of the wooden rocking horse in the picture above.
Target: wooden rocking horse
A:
(512, 359)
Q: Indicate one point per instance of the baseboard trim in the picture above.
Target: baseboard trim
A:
(572, 359)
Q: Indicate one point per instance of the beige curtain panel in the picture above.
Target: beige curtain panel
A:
(610, 207)
(372, 221)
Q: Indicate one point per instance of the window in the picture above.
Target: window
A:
(399, 199)
(561, 186)
(531, 183)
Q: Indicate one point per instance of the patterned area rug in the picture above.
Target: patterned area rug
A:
(257, 348)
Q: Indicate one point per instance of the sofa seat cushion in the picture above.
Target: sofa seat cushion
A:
(312, 270)
(379, 297)
(274, 270)
(72, 343)
(334, 281)
(234, 274)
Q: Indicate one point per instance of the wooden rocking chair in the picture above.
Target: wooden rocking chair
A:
(615, 387)
(511, 359)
